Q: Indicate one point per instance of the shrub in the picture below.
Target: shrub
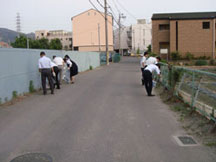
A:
(203, 58)
(138, 51)
(175, 55)
(90, 67)
(189, 56)
(14, 94)
(164, 61)
(152, 54)
(31, 87)
(212, 62)
(201, 62)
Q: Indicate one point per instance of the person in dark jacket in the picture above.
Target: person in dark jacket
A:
(73, 68)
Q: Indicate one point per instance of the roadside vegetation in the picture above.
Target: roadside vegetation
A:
(21, 42)
(194, 123)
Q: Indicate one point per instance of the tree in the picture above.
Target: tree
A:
(44, 43)
(35, 44)
(20, 42)
(55, 44)
(149, 49)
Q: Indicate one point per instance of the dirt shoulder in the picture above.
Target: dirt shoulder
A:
(194, 124)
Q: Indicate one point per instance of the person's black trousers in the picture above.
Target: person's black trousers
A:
(142, 70)
(47, 73)
(148, 81)
(56, 78)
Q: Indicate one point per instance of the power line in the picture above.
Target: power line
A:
(112, 13)
(116, 6)
(126, 10)
(102, 14)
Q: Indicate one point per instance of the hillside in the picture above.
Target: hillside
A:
(7, 35)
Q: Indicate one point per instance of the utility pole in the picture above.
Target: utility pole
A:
(119, 23)
(106, 31)
(213, 37)
(99, 37)
(27, 43)
(119, 34)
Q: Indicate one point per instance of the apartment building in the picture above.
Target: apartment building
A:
(89, 31)
(64, 36)
(184, 32)
(126, 39)
(141, 35)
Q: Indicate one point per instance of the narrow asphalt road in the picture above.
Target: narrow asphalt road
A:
(104, 117)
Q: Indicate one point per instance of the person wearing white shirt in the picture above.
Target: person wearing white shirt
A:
(55, 70)
(148, 77)
(60, 63)
(44, 64)
(143, 65)
(152, 60)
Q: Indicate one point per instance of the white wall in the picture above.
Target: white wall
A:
(141, 36)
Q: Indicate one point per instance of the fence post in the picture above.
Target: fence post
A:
(180, 84)
(197, 92)
(193, 90)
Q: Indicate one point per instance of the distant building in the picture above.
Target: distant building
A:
(4, 45)
(64, 36)
(184, 32)
(89, 31)
(141, 35)
(135, 37)
(126, 39)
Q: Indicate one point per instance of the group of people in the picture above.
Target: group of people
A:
(149, 65)
(54, 71)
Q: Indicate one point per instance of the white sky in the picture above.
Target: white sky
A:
(56, 14)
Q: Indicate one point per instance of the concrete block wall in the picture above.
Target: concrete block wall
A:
(19, 66)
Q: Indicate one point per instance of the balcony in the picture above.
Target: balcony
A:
(129, 34)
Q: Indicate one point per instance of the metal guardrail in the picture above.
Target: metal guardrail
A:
(196, 87)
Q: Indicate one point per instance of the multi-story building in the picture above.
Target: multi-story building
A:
(64, 36)
(184, 32)
(126, 39)
(135, 37)
(141, 35)
(89, 31)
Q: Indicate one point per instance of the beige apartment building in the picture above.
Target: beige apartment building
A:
(64, 36)
(184, 32)
(89, 31)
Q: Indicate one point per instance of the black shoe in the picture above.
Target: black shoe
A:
(44, 93)
(151, 95)
(52, 92)
(58, 88)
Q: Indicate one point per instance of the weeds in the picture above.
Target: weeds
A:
(31, 87)
(14, 94)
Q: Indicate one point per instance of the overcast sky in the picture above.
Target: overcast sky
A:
(56, 14)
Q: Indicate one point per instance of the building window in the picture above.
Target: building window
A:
(164, 27)
(42, 34)
(88, 13)
(76, 48)
(206, 25)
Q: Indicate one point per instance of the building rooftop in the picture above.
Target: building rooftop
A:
(184, 16)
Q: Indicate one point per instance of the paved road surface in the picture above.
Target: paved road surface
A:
(104, 117)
